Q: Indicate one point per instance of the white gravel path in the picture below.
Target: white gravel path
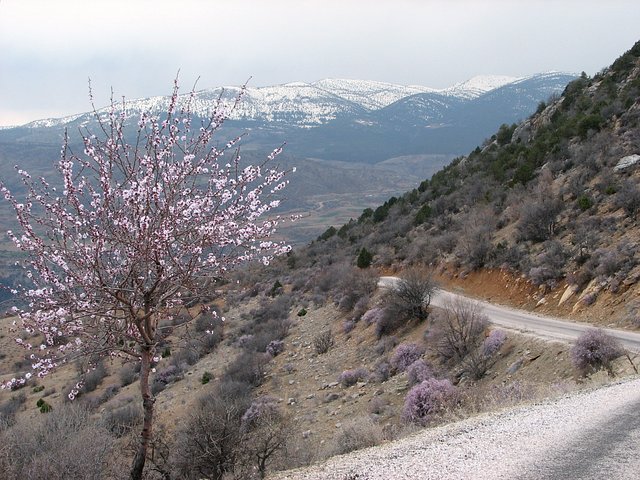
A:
(516, 443)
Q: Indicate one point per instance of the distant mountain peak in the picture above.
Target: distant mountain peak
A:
(478, 85)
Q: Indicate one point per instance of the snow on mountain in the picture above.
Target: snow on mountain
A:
(552, 79)
(305, 105)
(369, 94)
(478, 85)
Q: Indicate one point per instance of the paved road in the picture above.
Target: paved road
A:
(541, 325)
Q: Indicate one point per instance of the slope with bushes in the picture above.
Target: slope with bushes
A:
(555, 198)
(314, 360)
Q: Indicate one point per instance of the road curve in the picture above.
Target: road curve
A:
(544, 326)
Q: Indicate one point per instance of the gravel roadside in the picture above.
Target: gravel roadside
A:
(526, 442)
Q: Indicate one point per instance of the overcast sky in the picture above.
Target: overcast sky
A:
(49, 48)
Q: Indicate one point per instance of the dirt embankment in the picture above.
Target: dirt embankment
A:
(613, 310)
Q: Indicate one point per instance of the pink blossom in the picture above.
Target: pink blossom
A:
(135, 229)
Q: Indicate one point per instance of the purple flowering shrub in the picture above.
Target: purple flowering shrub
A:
(347, 326)
(372, 315)
(275, 347)
(405, 354)
(493, 342)
(418, 372)
(594, 350)
(261, 409)
(351, 377)
(427, 399)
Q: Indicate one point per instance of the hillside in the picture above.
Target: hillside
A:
(313, 359)
(554, 198)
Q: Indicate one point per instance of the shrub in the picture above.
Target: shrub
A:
(594, 350)
(302, 312)
(364, 258)
(108, 393)
(245, 342)
(265, 432)
(247, 368)
(372, 315)
(348, 326)
(93, 378)
(358, 433)
(61, 446)
(538, 218)
(462, 324)
(210, 441)
(276, 309)
(189, 354)
(418, 372)
(209, 327)
(478, 361)
(128, 374)
(584, 202)
(276, 289)
(388, 323)
(549, 265)
(259, 409)
(628, 198)
(351, 377)
(206, 378)
(382, 371)
(589, 299)
(385, 345)
(323, 342)
(411, 296)
(208, 321)
(122, 420)
(427, 399)
(493, 342)
(165, 376)
(9, 409)
(275, 347)
(405, 354)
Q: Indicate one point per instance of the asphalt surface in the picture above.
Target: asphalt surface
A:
(540, 325)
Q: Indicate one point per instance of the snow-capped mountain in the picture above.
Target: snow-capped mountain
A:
(370, 94)
(352, 120)
(478, 85)
(308, 105)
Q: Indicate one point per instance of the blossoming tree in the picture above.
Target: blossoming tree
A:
(135, 230)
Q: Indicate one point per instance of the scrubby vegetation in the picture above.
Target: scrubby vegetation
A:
(595, 350)
(546, 198)
(312, 359)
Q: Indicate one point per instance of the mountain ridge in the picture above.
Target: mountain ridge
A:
(311, 104)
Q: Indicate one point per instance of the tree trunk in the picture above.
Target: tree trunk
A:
(147, 404)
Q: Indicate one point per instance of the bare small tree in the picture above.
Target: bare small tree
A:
(411, 295)
(628, 198)
(539, 212)
(266, 430)
(463, 324)
(211, 441)
(474, 245)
